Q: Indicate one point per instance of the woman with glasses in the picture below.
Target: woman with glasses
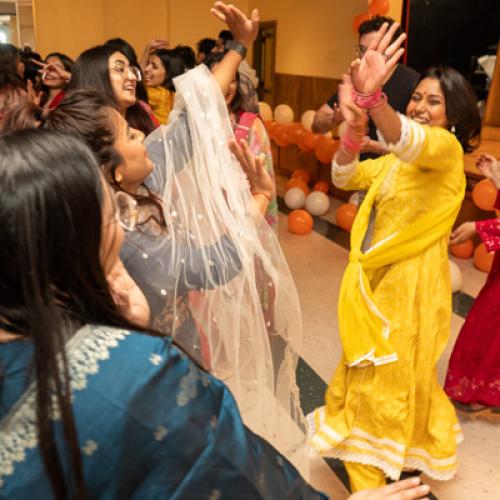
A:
(109, 71)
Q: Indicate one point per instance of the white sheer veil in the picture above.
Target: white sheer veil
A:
(229, 298)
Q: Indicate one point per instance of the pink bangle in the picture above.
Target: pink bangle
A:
(349, 144)
(367, 101)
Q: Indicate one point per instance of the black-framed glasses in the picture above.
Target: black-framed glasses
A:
(360, 50)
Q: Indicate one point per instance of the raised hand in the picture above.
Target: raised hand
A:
(254, 168)
(490, 168)
(156, 44)
(369, 73)
(45, 68)
(244, 30)
(34, 96)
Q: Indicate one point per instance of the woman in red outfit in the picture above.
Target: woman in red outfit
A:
(473, 378)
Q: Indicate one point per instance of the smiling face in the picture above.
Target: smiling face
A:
(123, 81)
(427, 104)
(50, 78)
(129, 142)
(155, 73)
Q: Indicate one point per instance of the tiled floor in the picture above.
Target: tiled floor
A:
(317, 264)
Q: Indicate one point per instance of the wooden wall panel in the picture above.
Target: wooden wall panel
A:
(302, 92)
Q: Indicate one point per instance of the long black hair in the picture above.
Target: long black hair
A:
(173, 63)
(461, 105)
(9, 60)
(91, 71)
(125, 48)
(51, 277)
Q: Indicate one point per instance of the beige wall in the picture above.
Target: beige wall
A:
(313, 38)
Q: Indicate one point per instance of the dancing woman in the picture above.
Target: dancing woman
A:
(385, 410)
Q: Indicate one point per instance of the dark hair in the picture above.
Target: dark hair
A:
(121, 45)
(461, 105)
(173, 63)
(9, 59)
(237, 104)
(86, 115)
(31, 70)
(187, 55)
(67, 63)
(91, 71)
(375, 23)
(51, 278)
(226, 35)
(22, 115)
(205, 46)
(66, 60)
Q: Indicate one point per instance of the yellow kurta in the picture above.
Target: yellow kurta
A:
(395, 414)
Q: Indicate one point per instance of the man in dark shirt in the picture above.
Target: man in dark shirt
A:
(398, 89)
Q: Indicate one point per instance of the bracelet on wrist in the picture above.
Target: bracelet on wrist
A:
(368, 101)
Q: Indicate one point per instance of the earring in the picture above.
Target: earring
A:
(453, 129)
(118, 177)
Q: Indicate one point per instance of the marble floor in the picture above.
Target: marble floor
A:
(317, 262)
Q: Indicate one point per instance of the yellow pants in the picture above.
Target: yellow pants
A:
(362, 477)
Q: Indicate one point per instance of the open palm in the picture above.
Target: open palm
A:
(370, 72)
(353, 115)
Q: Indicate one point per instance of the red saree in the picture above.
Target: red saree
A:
(474, 370)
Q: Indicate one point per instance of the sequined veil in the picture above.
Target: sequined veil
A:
(223, 287)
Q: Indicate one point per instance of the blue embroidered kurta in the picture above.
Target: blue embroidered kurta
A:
(150, 425)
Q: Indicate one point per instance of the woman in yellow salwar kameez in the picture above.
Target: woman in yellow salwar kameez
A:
(385, 411)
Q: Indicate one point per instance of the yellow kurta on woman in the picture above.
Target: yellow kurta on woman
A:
(384, 405)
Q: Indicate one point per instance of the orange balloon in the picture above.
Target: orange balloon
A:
(484, 194)
(273, 128)
(297, 183)
(321, 186)
(300, 222)
(302, 174)
(325, 150)
(483, 259)
(309, 141)
(463, 250)
(345, 216)
(378, 7)
(294, 132)
(360, 19)
(280, 136)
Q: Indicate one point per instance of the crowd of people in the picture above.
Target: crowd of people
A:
(149, 325)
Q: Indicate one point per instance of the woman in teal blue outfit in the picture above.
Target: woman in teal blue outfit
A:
(92, 406)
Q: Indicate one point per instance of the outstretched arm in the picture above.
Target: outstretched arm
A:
(244, 31)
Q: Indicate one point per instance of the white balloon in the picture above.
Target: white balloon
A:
(307, 118)
(355, 198)
(294, 198)
(283, 113)
(342, 128)
(266, 112)
(317, 203)
(456, 277)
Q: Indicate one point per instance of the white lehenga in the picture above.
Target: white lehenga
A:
(225, 265)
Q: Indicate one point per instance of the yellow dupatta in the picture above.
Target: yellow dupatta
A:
(364, 331)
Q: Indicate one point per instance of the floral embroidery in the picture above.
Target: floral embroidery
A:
(89, 346)
(160, 433)
(90, 447)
